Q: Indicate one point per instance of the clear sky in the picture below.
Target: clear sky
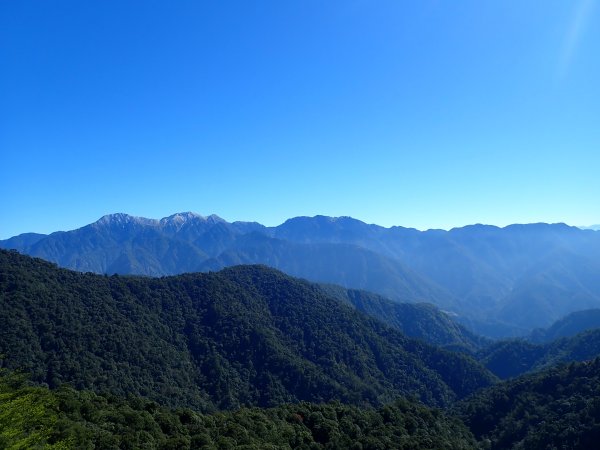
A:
(430, 114)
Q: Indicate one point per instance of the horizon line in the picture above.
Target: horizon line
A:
(592, 227)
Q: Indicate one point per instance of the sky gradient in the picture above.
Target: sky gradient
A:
(427, 114)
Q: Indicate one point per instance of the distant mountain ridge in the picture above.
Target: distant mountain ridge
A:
(570, 325)
(499, 281)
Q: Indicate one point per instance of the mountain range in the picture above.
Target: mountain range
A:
(591, 227)
(497, 281)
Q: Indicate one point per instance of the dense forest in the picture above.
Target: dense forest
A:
(419, 320)
(515, 357)
(556, 408)
(245, 336)
(249, 357)
(70, 419)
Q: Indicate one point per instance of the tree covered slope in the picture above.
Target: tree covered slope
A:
(70, 419)
(514, 357)
(417, 320)
(247, 335)
(556, 408)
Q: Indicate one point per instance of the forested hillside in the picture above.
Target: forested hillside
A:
(557, 408)
(70, 419)
(418, 320)
(247, 335)
(511, 358)
(149, 362)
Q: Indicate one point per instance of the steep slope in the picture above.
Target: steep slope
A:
(119, 244)
(558, 408)
(569, 325)
(244, 336)
(512, 358)
(417, 320)
(524, 276)
(559, 284)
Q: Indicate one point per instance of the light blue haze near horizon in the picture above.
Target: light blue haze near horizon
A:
(428, 114)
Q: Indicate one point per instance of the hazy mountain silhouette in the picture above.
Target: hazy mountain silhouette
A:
(569, 325)
(499, 281)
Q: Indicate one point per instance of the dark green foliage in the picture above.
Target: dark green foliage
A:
(417, 320)
(85, 420)
(244, 336)
(511, 358)
(508, 359)
(557, 408)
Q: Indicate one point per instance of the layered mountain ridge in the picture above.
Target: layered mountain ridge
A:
(499, 281)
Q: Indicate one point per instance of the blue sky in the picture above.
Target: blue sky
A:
(430, 114)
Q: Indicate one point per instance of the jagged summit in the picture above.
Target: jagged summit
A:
(124, 219)
(181, 217)
(180, 220)
(175, 220)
